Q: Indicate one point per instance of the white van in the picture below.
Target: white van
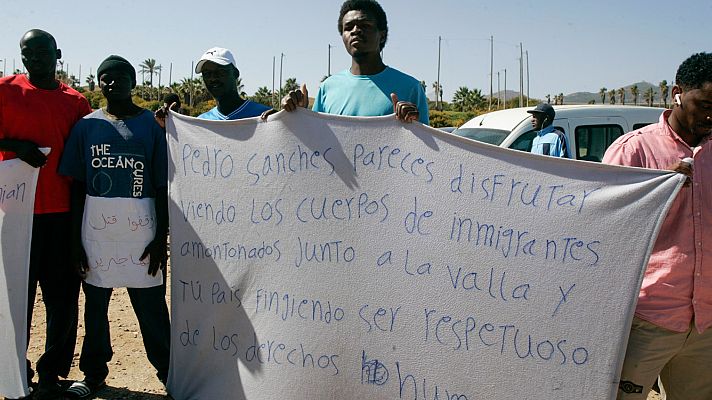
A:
(590, 129)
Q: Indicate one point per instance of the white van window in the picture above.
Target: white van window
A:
(593, 140)
(640, 125)
(524, 142)
(486, 135)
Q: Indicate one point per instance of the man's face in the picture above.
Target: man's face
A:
(116, 84)
(695, 112)
(39, 54)
(218, 79)
(538, 120)
(360, 34)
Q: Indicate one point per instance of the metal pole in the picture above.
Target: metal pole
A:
(328, 68)
(491, 70)
(527, 54)
(170, 75)
(80, 75)
(499, 93)
(505, 88)
(192, 68)
(273, 94)
(437, 88)
(521, 75)
(281, 59)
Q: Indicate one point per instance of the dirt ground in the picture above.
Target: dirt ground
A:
(130, 374)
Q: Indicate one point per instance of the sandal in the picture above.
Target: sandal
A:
(83, 389)
(52, 391)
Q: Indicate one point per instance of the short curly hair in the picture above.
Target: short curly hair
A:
(370, 7)
(694, 72)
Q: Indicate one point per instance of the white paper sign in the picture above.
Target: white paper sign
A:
(115, 233)
(326, 257)
(17, 198)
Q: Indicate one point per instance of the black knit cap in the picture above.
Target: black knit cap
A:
(117, 62)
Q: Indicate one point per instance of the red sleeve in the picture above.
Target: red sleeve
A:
(84, 107)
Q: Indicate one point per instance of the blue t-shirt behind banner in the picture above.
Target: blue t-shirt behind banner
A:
(117, 158)
(248, 109)
(369, 95)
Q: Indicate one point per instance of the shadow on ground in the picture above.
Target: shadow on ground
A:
(115, 393)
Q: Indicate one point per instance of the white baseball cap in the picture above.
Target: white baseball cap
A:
(218, 55)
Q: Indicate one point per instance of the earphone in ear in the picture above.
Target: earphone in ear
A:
(677, 99)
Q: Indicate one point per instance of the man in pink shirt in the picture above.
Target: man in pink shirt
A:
(671, 336)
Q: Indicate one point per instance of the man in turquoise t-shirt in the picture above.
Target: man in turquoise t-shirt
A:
(369, 87)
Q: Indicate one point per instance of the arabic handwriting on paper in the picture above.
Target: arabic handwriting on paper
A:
(104, 223)
(119, 262)
(145, 221)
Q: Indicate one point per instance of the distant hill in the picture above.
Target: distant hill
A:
(586, 97)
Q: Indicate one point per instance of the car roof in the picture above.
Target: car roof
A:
(511, 118)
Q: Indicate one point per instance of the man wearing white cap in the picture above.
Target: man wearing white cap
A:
(220, 75)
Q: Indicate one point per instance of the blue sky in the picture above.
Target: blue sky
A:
(572, 45)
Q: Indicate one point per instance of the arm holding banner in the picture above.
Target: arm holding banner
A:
(683, 167)
(25, 150)
(157, 249)
(620, 154)
(404, 110)
(79, 256)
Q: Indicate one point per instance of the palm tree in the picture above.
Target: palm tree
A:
(634, 92)
(240, 87)
(561, 98)
(548, 99)
(193, 91)
(262, 96)
(289, 85)
(460, 98)
(612, 96)
(148, 66)
(650, 96)
(90, 82)
(621, 95)
(602, 92)
(423, 85)
(465, 99)
(438, 90)
(664, 91)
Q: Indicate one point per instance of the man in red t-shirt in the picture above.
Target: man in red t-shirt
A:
(38, 111)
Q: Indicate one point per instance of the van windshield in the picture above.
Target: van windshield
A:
(487, 135)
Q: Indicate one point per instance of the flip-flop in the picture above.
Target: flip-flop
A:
(83, 389)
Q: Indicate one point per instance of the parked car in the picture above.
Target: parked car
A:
(590, 129)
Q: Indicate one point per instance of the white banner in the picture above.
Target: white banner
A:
(115, 232)
(327, 257)
(17, 198)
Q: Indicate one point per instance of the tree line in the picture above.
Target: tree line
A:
(466, 102)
